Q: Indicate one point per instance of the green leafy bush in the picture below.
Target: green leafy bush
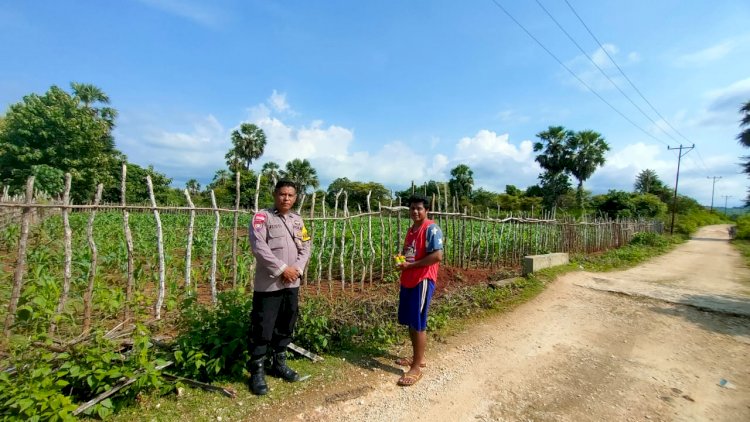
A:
(214, 342)
(649, 239)
(46, 386)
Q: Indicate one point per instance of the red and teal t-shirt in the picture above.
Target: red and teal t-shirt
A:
(426, 239)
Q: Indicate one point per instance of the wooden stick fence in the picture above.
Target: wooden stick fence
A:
(352, 242)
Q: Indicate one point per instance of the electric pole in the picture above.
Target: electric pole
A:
(725, 202)
(713, 185)
(677, 180)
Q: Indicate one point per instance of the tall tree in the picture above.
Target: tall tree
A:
(461, 181)
(248, 143)
(302, 173)
(647, 181)
(58, 130)
(744, 136)
(744, 139)
(272, 172)
(193, 186)
(554, 159)
(586, 151)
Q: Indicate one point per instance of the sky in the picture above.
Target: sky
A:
(401, 91)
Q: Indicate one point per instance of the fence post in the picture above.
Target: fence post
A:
(214, 245)
(160, 246)
(128, 242)
(67, 234)
(89, 295)
(189, 249)
(21, 258)
(234, 228)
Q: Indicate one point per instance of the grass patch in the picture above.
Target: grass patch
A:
(743, 245)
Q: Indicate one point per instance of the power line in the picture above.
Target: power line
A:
(623, 73)
(576, 76)
(570, 37)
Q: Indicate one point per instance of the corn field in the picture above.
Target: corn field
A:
(82, 266)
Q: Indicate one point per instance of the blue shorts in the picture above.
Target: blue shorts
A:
(414, 303)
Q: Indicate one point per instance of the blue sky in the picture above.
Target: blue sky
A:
(394, 91)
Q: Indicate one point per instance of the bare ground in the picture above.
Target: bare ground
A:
(654, 342)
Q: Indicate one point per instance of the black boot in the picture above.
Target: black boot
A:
(281, 370)
(258, 377)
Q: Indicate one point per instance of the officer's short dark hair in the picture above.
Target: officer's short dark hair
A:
(416, 199)
(285, 184)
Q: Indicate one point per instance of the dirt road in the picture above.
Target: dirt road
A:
(651, 343)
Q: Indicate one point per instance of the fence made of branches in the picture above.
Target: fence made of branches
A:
(84, 265)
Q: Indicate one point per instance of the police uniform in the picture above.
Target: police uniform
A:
(278, 241)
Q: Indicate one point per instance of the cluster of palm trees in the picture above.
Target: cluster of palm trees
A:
(248, 145)
(565, 152)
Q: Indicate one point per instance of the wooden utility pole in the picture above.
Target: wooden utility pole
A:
(677, 180)
(713, 185)
(725, 202)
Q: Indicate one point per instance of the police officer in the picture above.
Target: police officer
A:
(281, 247)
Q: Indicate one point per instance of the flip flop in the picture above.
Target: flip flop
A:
(408, 380)
(406, 361)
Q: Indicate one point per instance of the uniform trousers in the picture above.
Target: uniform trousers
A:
(272, 320)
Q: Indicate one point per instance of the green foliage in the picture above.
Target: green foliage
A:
(621, 204)
(248, 143)
(214, 339)
(649, 239)
(743, 227)
(48, 179)
(62, 132)
(462, 181)
(48, 385)
(136, 190)
(302, 173)
(357, 192)
(688, 221)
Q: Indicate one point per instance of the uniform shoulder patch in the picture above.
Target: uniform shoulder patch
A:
(259, 220)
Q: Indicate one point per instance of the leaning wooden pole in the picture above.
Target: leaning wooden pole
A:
(160, 246)
(234, 228)
(189, 248)
(67, 235)
(214, 245)
(89, 295)
(128, 244)
(369, 235)
(312, 230)
(20, 258)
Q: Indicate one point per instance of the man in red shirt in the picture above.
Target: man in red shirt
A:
(423, 251)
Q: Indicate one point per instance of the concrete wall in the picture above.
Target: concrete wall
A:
(534, 263)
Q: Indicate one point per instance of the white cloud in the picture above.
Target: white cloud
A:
(707, 55)
(181, 155)
(196, 12)
(278, 101)
(724, 104)
(512, 116)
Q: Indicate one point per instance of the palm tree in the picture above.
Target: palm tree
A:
(247, 145)
(221, 177)
(553, 144)
(744, 136)
(89, 94)
(586, 151)
(271, 171)
(193, 186)
(301, 173)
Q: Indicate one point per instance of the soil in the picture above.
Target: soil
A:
(666, 341)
